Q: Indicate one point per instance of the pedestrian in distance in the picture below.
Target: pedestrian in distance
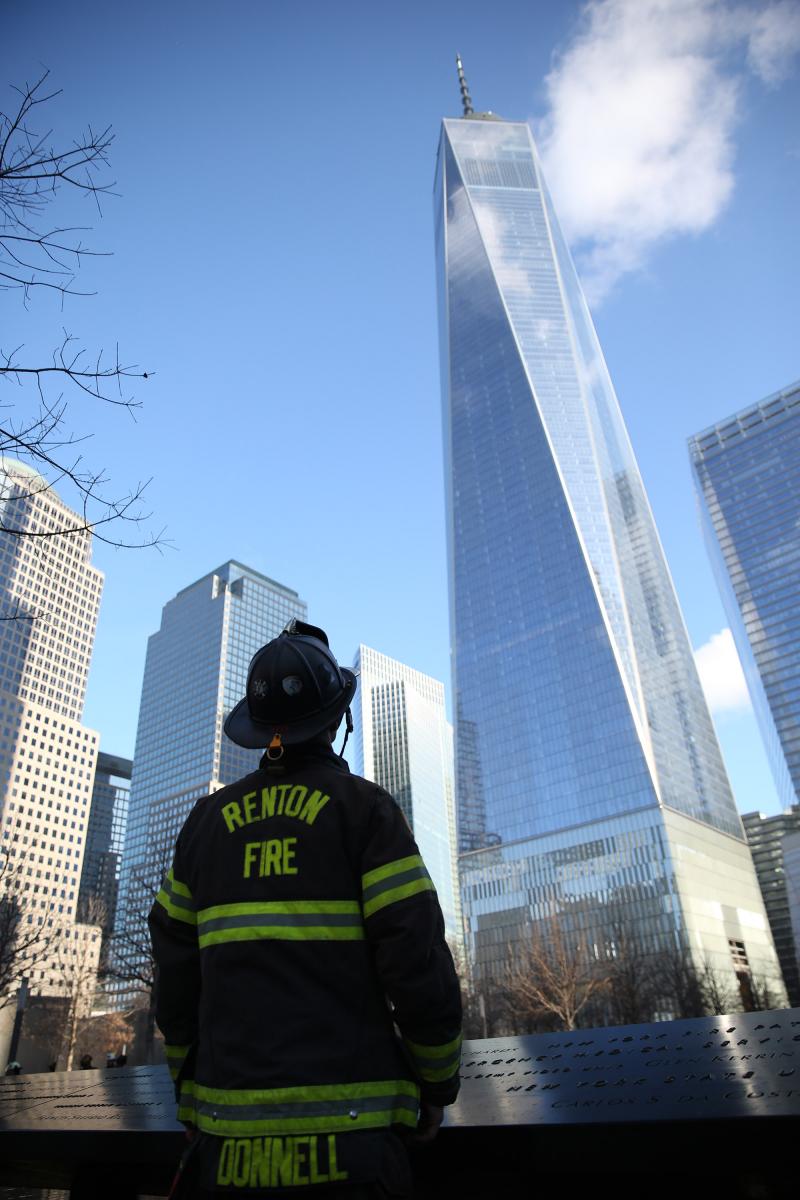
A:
(308, 1000)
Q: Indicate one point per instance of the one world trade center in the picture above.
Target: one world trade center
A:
(588, 775)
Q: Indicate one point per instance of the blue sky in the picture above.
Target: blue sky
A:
(273, 265)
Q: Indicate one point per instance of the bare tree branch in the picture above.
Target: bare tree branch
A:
(23, 943)
(46, 257)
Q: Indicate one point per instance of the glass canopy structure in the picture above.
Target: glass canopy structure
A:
(588, 775)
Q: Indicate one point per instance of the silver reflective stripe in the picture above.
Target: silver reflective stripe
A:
(285, 919)
(394, 881)
(318, 1108)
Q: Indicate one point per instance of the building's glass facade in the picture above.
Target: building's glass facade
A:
(105, 837)
(580, 715)
(195, 672)
(747, 475)
(403, 741)
(766, 837)
(790, 848)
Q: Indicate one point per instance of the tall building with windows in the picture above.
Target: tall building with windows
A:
(105, 837)
(790, 848)
(766, 836)
(589, 780)
(49, 602)
(403, 741)
(747, 475)
(195, 672)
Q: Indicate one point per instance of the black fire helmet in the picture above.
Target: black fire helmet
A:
(295, 689)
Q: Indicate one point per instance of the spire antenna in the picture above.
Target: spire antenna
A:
(466, 99)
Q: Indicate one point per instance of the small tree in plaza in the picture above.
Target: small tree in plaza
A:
(553, 975)
(77, 953)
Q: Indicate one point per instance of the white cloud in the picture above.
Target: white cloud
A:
(721, 674)
(774, 40)
(638, 142)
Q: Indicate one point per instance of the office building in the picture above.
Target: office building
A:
(195, 672)
(589, 781)
(105, 837)
(767, 838)
(49, 602)
(791, 866)
(403, 741)
(747, 475)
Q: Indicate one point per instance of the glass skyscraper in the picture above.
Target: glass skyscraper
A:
(766, 836)
(195, 672)
(105, 835)
(403, 741)
(747, 474)
(588, 776)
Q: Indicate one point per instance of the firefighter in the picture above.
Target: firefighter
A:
(308, 1000)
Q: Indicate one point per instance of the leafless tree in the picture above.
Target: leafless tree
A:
(130, 952)
(718, 996)
(22, 944)
(482, 998)
(554, 975)
(77, 954)
(39, 255)
(677, 982)
(631, 985)
(765, 995)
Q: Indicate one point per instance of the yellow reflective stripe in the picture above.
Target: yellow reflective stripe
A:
(436, 1063)
(394, 881)
(282, 920)
(283, 933)
(174, 910)
(176, 899)
(179, 888)
(398, 893)
(173, 1051)
(393, 868)
(305, 1094)
(327, 1108)
(437, 1074)
(445, 1050)
(176, 1056)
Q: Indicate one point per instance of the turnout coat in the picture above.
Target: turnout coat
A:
(304, 985)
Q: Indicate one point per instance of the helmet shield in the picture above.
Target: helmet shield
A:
(295, 687)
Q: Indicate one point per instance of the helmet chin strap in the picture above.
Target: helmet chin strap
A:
(275, 749)
(348, 729)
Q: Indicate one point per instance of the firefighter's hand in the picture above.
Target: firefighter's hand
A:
(430, 1118)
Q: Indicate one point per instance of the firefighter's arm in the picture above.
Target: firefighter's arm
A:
(173, 932)
(405, 926)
